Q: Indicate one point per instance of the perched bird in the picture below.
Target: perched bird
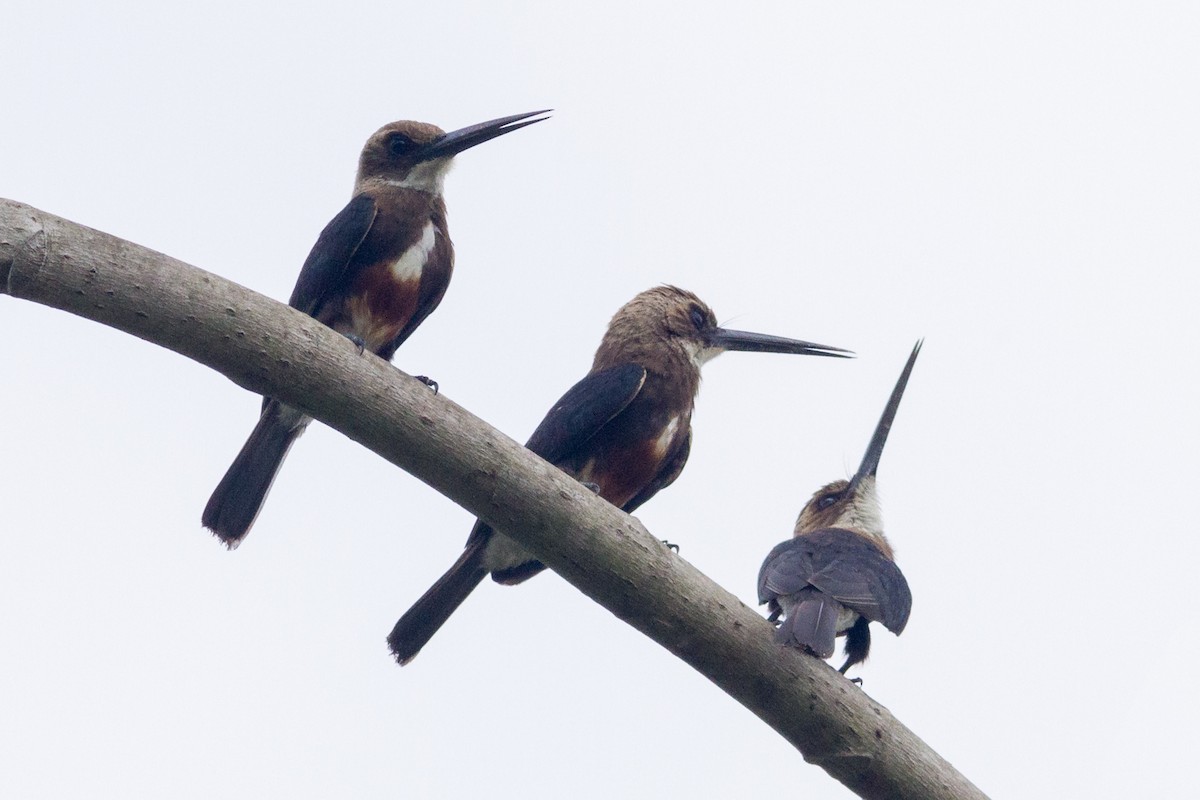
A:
(377, 271)
(624, 430)
(838, 574)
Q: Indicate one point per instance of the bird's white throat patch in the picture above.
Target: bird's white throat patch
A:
(863, 513)
(701, 354)
(426, 176)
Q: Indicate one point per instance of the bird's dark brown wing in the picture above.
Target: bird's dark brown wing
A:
(843, 565)
(576, 417)
(324, 269)
(585, 409)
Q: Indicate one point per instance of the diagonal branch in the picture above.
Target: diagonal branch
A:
(270, 348)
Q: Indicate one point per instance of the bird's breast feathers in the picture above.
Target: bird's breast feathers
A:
(623, 468)
(412, 261)
(389, 292)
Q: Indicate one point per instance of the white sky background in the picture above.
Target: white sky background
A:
(1019, 185)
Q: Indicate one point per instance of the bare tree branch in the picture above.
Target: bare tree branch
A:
(269, 348)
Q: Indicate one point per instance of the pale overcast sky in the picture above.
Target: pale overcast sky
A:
(1017, 182)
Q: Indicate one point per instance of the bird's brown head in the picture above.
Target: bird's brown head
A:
(417, 155)
(669, 329)
(659, 329)
(843, 504)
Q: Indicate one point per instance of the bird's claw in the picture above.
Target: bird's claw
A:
(358, 342)
(594, 488)
(428, 381)
(671, 545)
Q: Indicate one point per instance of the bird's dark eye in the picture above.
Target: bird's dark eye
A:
(699, 318)
(828, 500)
(399, 144)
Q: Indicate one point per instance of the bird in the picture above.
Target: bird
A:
(377, 270)
(624, 431)
(838, 573)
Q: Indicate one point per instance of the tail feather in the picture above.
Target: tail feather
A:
(239, 496)
(511, 576)
(858, 643)
(811, 624)
(427, 615)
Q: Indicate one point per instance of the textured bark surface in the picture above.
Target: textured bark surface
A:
(269, 348)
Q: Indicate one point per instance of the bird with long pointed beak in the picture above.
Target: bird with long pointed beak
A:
(379, 268)
(624, 430)
(838, 574)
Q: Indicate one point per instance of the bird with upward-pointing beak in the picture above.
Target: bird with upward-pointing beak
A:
(624, 430)
(838, 575)
(379, 268)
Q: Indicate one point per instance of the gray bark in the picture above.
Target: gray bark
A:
(270, 348)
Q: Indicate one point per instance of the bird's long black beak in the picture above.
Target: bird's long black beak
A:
(456, 141)
(764, 343)
(870, 462)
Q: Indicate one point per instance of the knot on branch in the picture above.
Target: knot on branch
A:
(27, 249)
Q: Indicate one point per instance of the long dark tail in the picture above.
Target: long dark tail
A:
(422, 621)
(240, 494)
